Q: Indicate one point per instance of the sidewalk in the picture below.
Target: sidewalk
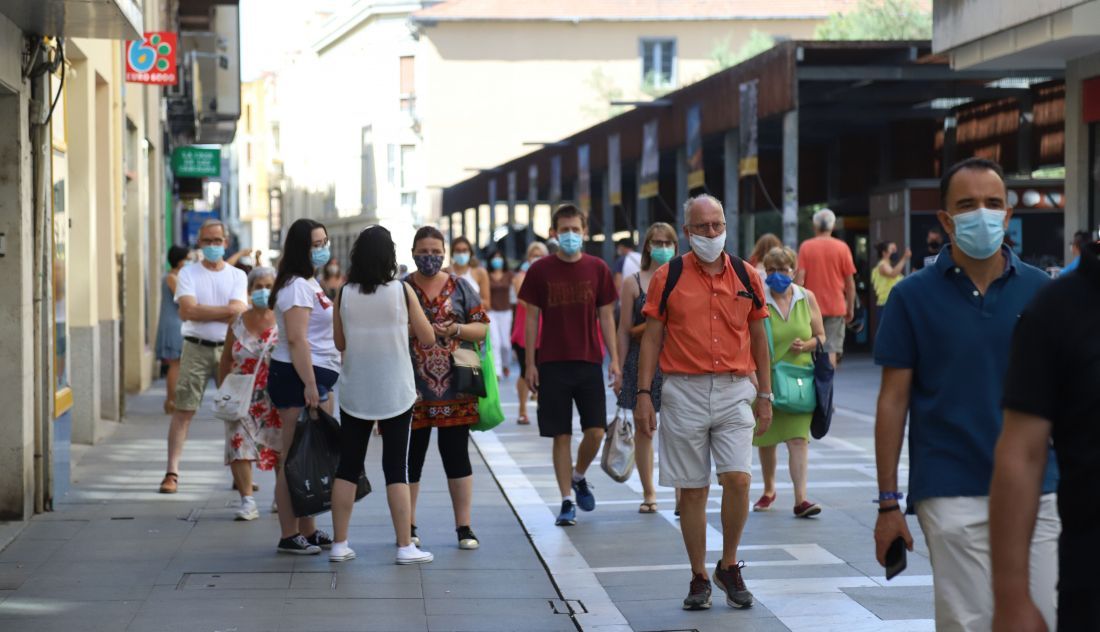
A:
(116, 555)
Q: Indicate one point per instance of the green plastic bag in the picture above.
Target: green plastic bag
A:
(489, 408)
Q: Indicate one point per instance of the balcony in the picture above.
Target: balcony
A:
(97, 19)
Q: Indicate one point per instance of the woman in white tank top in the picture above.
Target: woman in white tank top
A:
(371, 327)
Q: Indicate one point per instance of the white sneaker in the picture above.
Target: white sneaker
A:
(274, 506)
(413, 555)
(340, 552)
(247, 510)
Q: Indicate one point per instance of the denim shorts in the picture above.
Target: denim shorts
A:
(287, 390)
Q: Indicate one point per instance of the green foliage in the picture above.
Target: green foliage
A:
(879, 20)
(652, 90)
(606, 91)
(722, 56)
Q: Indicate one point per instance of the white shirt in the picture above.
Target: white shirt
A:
(307, 293)
(632, 263)
(469, 276)
(377, 379)
(212, 288)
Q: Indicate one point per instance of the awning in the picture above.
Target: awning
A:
(96, 19)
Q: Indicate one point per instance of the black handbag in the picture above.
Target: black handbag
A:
(823, 385)
(467, 374)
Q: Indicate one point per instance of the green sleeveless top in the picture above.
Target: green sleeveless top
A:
(796, 325)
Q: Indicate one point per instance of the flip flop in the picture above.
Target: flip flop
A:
(647, 508)
(523, 420)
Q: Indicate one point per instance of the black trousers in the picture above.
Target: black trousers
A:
(354, 437)
(454, 449)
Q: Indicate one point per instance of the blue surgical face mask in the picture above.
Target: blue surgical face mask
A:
(570, 243)
(260, 297)
(461, 258)
(320, 256)
(497, 264)
(213, 254)
(661, 254)
(980, 233)
(525, 266)
(778, 282)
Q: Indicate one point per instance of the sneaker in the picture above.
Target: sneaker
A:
(321, 539)
(341, 552)
(467, 541)
(413, 555)
(275, 506)
(585, 500)
(297, 545)
(568, 515)
(730, 582)
(807, 509)
(699, 595)
(247, 510)
(765, 503)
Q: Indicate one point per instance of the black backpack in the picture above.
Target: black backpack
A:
(676, 267)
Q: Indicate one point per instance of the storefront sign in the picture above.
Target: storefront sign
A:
(614, 170)
(152, 60)
(651, 161)
(696, 179)
(750, 161)
(197, 162)
(584, 179)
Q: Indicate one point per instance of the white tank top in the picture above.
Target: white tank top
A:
(469, 276)
(377, 379)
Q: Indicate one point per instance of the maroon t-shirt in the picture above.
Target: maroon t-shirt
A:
(569, 295)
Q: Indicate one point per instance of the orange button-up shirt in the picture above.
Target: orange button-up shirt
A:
(706, 320)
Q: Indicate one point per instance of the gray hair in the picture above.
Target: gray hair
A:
(214, 222)
(703, 197)
(259, 272)
(825, 219)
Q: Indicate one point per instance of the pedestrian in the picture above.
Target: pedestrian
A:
(456, 313)
(658, 248)
(933, 244)
(169, 344)
(887, 273)
(826, 268)
(374, 313)
(501, 292)
(627, 262)
(710, 316)
(247, 351)
(1081, 241)
(764, 245)
(1050, 393)
(796, 329)
(465, 266)
(304, 365)
(944, 344)
(209, 295)
(574, 295)
(535, 251)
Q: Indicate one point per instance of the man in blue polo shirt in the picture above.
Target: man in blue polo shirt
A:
(944, 344)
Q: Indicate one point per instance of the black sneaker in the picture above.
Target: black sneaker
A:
(466, 539)
(568, 515)
(699, 595)
(415, 538)
(730, 582)
(321, 539)
(297, 544)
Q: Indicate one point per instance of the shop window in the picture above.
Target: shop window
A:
(658, 63)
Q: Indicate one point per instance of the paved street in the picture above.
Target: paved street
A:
(115, 555)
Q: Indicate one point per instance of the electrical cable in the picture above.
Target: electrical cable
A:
(766, 196)
(61, 84)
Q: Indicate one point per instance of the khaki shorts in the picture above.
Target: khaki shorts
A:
(198, 364)
(701, 416)
(835, 327)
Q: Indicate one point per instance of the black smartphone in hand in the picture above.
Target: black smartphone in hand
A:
(895, 558)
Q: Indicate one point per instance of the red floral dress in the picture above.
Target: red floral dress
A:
(258, 437)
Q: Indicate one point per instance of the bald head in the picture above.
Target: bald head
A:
(699, 205)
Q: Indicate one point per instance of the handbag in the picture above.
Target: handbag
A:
(468, 376)
(234, 396)
(823, 385)
(490, 412)
(792, 384)
(617, 460)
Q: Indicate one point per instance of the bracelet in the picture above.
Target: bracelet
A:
(884, 510)
(885, 496)
(643, 391)
(458, 330)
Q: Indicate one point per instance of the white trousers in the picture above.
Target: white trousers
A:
(956, 530)
(500, 332)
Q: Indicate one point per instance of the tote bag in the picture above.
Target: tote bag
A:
(489, 409)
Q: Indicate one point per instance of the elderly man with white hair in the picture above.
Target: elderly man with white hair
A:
(705, 323)
(825, 267)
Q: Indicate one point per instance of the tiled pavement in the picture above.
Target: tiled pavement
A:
(117, 556)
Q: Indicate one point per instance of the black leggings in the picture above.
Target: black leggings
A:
(454, 449)
(354, 437)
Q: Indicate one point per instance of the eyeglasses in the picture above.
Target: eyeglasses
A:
(711, 227)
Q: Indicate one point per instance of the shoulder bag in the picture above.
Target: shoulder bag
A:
(234, 396)
(617, 460)
(792, 384)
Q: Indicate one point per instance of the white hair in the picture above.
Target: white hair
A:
(824, 220)
(690, 202)
(259, 272)
(214, 222)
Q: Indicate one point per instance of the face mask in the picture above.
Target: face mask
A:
(213, 254)
(260, 297)
(661, 254)
(778, 282)
(570, 243)
(980, 233)
(708, 249)
(934, 247)
(428, 265)
(525, 266)
(319, 256)
(461, 258)
(497, 264)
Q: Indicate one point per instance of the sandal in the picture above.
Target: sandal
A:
(647, 508)
(170, 483)
(523, 420)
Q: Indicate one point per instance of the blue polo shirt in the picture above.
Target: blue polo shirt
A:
(957, 343)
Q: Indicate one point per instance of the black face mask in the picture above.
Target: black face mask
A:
(934, 246)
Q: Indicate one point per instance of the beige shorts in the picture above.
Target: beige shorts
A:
(835, 328)
(705, 416)
(198, 364)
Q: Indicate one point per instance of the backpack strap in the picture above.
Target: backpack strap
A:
(743, 275)
(675, 268)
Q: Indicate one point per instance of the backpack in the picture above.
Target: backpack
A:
(676, 267)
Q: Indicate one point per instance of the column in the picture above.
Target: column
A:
(790, 179)
(731, 156)
(681, 193)
(492, 213)
(607, 219)
(641, 208)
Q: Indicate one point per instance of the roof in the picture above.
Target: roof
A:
(638, 10)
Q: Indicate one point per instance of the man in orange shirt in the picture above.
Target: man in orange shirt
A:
(711, 323)
(825, 267)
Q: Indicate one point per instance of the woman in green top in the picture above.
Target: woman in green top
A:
(796, 330)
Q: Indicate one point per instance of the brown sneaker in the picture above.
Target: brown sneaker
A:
(170, 484)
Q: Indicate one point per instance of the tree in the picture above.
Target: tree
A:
(722, 56)
(879, 20)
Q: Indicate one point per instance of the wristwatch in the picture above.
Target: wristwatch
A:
(767, 396)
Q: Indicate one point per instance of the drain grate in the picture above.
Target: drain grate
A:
(567, 606)
(258, 581)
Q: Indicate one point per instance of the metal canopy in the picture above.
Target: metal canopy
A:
(95, 19)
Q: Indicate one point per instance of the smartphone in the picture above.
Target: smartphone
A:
(895, 558)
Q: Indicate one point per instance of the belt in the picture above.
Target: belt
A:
(205, 343)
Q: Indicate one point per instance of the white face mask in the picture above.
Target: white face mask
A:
(708, 249)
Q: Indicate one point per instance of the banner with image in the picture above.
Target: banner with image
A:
(651, 161)
(750, 161)
(614, 169)
(696, 178)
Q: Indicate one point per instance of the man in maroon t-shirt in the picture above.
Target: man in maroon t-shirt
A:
(573, 292)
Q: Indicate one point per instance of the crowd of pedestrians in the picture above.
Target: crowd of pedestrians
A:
(986, 369)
